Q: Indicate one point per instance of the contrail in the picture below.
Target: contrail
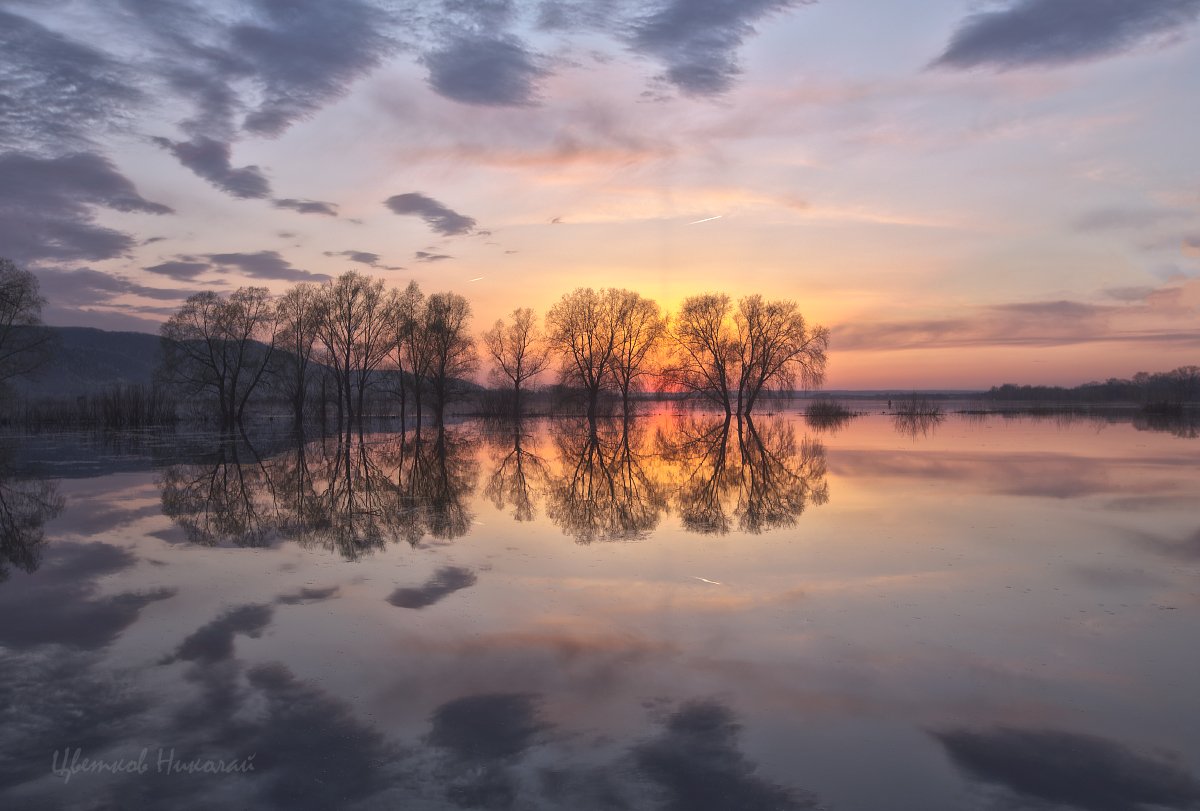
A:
(706, 580)
(477, 278)
(707, 219)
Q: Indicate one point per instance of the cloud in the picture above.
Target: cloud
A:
(265, 265)
(57, 91)
(1057, 32)
(87, 286)
(444, 582)
(698, 41)
(426, 256)
(436, 216)
(47, 207)
(364, 258)
(308, 206)
(213, 642)
(179, 269)
(1064, 768)
(487, 70)
(1107, 219)
(211, 160)
(489, 727)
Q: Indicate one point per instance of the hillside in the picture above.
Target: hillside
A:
(87, 360)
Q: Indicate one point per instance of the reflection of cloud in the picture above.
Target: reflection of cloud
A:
(486, 727)
(1064, 768)
(697, 765)
(307, 595)
(444, 582)
(1186, 549)
(1054, 32)
(213, 642)
(60, 605)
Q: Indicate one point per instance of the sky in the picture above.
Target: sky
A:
(966, 193)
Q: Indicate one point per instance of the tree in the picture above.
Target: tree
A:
(220, 346)
(777, 349)
(24, 343)
(409, 338)
(298, 314)
(731, 357)
(704, 349)
(518, 352)
(640, 328)
(355, 333)
(582, 329)
(449, 347)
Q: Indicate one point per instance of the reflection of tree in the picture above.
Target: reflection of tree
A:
(607, 487)
(223, 498)
(517, 473)
(26, 504)
(916, 425)
(346, 493)
(765, 479)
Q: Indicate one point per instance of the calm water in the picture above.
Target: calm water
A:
(976, 614)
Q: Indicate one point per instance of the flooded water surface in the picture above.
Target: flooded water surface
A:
(675, 613)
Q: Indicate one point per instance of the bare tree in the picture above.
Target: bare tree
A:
(518, 352)
(776, 348)
(24, 343)
(582, 329)
(704, 349)
(640, 328)
(298, 314)
(221, 346)
(451, 350)
(730, 358)
(412, 359)
(356, 335)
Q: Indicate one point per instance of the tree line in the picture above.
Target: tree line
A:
(1177, 387)
(328, 347)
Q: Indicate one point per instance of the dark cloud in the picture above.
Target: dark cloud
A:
(487, 70)
(1056, 32)
(214, 642)
(698, 41)
(85, 286)
(179, 269)
(364, 258)
(211, 160)
(307, 595)
(60, 602)
(265, 265)
(307, 53)
(426, 256)
(445, 581)
(308, 206)
(55, 92)
(436, 216)
(697, 766)
(1064, 768)
(47, 207)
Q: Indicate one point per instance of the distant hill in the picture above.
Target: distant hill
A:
(88, 360)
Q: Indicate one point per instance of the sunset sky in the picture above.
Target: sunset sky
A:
(966, 192)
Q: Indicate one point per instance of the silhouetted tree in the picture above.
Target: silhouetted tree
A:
(356, 333)
(777, 349)
(449, 346)
(582, 330)
(25, 344)
(220, 346)
(640, 329)
(298, 315)
(704, 349)
(518, 352)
